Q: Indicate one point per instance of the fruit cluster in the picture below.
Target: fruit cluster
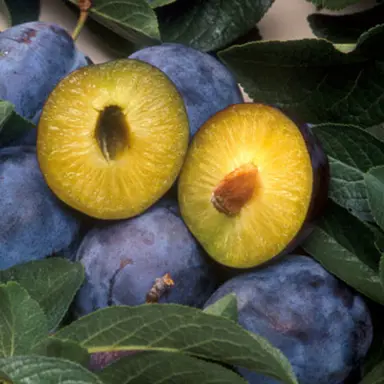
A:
(168, 187)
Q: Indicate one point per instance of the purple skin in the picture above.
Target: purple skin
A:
(122, 260)
(321, 325)
(34, 224)
(34, 57)
(205, 84)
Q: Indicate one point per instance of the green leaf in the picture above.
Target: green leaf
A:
(167, 367)
(12, 125)
(376, 376)
(345, 247)
(381, 270)
(46, 370)
(134, 20)
(210, 24)
(377, 131)
(52, 282)
(160, 3)
(351, 152)
(225, 307)
(312, 79)
(176, 328)
(5, 379)
(21, 11)
(69, 350)
(374, 180)
(22, 322)
(333, 4)
(345, 28)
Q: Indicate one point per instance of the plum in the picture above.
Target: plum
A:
(321, 325)
(205, 84)
(33, 223)
(34, 56)
(128, 262)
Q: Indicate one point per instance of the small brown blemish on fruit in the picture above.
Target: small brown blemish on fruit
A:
(27, 36)
(125, 262)
(235, 190)
(161, 285)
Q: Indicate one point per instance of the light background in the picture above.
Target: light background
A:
(285, 20)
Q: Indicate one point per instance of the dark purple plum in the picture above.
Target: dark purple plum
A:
(34, 57)
(123, 259)
(34, 224)
(205, 84)
(321, 325)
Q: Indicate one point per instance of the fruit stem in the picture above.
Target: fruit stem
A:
(235, 190)
(161, 285)
(85, 6)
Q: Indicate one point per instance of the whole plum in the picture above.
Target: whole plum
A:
(34, 57)
(34, 224)
(122, 261)
(205, 84)
(321, 325)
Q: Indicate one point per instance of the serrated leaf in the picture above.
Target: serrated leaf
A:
(134, 20)
(345, 28)
(46, 370)
(351, 152)
(312, 79)
(333, 4)
(22, 321)
(345, 247)
(21, 11)
(374, 180)
(376, 376)
(167, 367)
(225, 307)
(69, 350)
(52, 282)
(210, 24)
(12, 125)
(176, 328)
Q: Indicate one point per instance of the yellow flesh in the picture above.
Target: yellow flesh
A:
(71, 159)
(242, 134)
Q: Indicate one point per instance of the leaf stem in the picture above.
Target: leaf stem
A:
(85, 6)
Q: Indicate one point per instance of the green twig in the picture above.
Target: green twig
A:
(85, 6)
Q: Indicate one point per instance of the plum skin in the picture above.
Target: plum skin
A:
(321, 325)
(122, 259)
(34, 57)
(34, 224)
(204, 83)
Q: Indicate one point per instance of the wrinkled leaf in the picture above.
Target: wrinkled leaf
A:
(167, 367)
(46, 370)
(351, 152)
(225, 307)
(52, 282)
(69, 350)
(210, 24)
(376, 376)
(176, 328)
(22, 321)
(21, 11)
(134, 20)
(12, 125)
(312, 79)
(345, 28)
(345, 247)
(374, 180)
(333, 4)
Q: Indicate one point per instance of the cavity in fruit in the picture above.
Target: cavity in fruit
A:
(252, 183)
(112, 138)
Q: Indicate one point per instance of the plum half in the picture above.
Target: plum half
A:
(252, 183)
(112, 138)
